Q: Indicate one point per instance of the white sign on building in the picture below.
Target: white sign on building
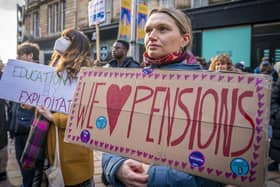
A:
(96, 12)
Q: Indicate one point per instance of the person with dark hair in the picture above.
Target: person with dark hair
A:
(202, 62)
(21, 116)
(28, 51)
(168, 39)
(267, 68)
(240, 66)
(119, 54)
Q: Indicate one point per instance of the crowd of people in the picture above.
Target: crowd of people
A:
(168, 42)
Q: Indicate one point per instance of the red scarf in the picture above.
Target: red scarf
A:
(171, 58)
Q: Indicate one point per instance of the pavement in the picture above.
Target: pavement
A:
(272, 179)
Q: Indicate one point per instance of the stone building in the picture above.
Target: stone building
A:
(245, 29)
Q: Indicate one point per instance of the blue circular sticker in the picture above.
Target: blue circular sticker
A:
(239, 166)
(101, 122)
(196, 159)
(147, 70)
(85, 136)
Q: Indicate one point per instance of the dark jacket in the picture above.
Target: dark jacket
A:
(128, 63)
(20, 120)
(3, 124)
(274, 150)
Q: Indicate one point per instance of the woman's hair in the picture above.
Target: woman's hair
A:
(77, 55)
(224, 59)
(182, 21)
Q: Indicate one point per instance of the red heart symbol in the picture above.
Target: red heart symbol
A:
(116, 99)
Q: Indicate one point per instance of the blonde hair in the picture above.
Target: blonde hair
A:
(182, 21)
(224, 59)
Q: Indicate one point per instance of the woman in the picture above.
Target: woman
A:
(267, 68)
(71, 52)
(221, 62)
(168, 39)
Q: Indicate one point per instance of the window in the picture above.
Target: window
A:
(36, 24)
(56, 17)
(62, 15)
(55, 25)
(50, 19)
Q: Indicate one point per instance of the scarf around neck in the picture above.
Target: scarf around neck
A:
(171, 58)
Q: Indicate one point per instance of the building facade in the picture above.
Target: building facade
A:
(245, 29)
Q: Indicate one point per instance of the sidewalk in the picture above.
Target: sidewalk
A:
(273, 179)
(15, 176)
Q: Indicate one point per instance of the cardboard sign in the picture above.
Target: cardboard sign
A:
(204, 123)
(36, 85)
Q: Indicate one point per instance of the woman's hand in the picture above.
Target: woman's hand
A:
(45, 112)
(133, 173)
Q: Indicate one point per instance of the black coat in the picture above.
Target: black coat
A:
(274, 150)
(3, 124)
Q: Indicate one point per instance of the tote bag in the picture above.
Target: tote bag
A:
(53, 173)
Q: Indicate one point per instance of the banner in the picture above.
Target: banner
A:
(36, 85)
(208, 124)
(125, 20)
(96, 12)
(141, 21)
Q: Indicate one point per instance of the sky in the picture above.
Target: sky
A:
(8, 31)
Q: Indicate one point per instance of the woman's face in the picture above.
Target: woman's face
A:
(162, 36)
(220, 66)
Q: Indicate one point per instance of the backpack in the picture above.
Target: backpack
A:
(20, 119)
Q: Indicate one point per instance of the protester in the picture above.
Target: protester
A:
(21, 116)
(274, 150)
(267, 68)
(240, 66)
(71, 52)
(168, 39)
(221, 62)
(264, 59)
(4, 181)
(277, 68)
(119, 54)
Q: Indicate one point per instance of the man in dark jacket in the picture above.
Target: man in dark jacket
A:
(274, 150)
(119, 54)
(21, 116)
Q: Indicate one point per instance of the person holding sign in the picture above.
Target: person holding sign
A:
(71, 52)
(21, 116)
(168, 39)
